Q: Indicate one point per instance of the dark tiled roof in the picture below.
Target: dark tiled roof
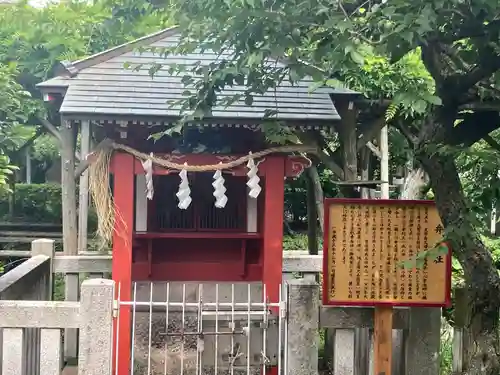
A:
(101, 85)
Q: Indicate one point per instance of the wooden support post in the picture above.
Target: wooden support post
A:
(383, 314)
(122, 255)
(342, 340)
(274, 191)
(312, 217)
(27, 154)
(383, 340)
(83, 201)
(365, 171)
(348, 135)
(68, 185)
(384, 162)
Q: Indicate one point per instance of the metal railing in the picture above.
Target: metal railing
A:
(347, 339)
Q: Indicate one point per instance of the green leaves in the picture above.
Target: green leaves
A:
(357, 57)
(419, 260)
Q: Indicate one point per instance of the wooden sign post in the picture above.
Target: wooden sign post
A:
(365, 245)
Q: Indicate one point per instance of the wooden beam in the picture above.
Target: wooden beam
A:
(83, 208)
(312, 215)
(52, 129)
(68, 186)
(384, 162)
(374, 149)
(371, 132)
(383, 317)
(348, 138)
(28, 165)
(85, 162)
(365, 171)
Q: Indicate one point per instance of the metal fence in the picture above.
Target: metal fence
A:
(347, 348)
(197, 329)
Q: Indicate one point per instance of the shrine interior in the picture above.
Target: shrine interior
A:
(177, 242)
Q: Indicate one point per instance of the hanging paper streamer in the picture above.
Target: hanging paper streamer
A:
(253, 179)
(184, 193)
(147, 165)
(219, 190)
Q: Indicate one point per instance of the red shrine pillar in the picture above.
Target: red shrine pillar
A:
(123, 193)
(273, 225)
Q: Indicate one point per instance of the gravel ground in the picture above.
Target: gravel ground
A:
(174, 345)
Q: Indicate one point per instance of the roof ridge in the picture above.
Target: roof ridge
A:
(72, 68)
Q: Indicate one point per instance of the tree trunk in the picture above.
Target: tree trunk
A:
(481, 277)
(312, 217)
(313, 174)
(414, 185)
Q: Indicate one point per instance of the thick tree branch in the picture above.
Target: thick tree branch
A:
(51, 128)
(491, 142)
(407, 132)
(330, 160)
(370, 132)
(487, 65)
(30, 141)
(374, 149)
(474, 127)
(472, 29)
(323, 157)
(432, 62)
(89, 159)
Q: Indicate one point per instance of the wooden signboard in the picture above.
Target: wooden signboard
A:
(366, 242)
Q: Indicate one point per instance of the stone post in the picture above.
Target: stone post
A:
(96, 330)
(45, 247)
(303, 327)
(422, 346)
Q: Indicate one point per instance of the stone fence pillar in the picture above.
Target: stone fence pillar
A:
(303, 327)
(96, 329)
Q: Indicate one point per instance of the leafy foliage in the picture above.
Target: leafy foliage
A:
(480, 163)
(406, 82)
(68, 31)
(15, 106)
(264, 43)
(34, 40)
(37, 202)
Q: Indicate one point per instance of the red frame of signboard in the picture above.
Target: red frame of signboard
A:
(370, 202)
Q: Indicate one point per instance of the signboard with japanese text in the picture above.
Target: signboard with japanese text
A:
(367, 241)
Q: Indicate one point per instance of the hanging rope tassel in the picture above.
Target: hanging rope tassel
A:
(184, 193)
(253, 178)
(147, 165)
(219, 190)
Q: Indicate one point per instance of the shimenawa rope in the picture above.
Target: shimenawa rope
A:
(100, 188)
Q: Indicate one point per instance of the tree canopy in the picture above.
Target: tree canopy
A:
(430, 67)
(34, 40)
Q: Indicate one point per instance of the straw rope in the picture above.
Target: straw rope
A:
(213, 167)
(99, 184)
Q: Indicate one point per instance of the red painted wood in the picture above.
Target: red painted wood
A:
(273, 370)
(273, 226)
(151, 218)
(295, 165)
(150, 257)
(202, 235)
(243, 258)
(392, 202)
(196, 271)
(209, 256)
(122, 253)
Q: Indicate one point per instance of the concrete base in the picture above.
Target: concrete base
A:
(70, 370)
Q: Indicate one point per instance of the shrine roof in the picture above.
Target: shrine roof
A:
(102, 85)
